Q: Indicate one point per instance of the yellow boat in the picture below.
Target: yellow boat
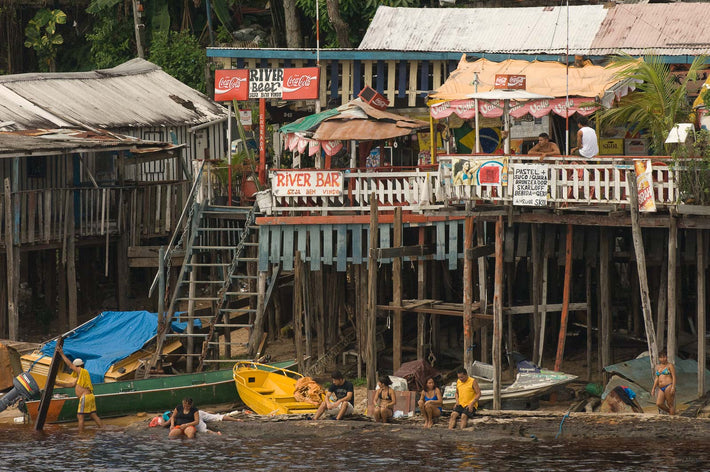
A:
(268, 390)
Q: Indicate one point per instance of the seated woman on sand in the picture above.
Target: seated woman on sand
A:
(184, 420)
(384, 400)
(430, 403)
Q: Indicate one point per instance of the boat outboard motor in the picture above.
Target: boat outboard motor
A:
(24, 386)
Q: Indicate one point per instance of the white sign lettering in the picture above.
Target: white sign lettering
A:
(307, 183)
(530, 185)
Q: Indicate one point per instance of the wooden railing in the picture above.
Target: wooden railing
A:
(45, 216)
(569, 182)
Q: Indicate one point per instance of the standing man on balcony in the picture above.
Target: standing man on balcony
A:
(587, 143)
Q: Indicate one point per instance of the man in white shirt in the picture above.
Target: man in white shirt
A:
(587, 143)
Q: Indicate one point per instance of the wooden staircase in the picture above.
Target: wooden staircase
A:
(213, 278)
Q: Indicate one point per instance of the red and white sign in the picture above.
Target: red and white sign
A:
(285, 84)
(644, 185)
(307, 183)
(300, 84)
(494, 108)
(231, 84)
(509, 82)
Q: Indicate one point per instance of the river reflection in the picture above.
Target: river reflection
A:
(62, 449)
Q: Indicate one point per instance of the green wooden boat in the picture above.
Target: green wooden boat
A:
(150, 395)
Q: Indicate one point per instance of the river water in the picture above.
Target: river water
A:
(62, 449)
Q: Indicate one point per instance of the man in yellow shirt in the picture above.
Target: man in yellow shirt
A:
(81, 381)
(467, 394)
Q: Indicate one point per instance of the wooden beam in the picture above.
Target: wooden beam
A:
(467, 294)
(672, 287)
(298, 310)
(553, 308)
(13, 268)
(605, 305)
(399, 251)
(397, 292)
(421, 293)
(482, 290)
(498, 314)
(480, 251)
(565, 300)
(662, 303)
(700, 269)
(371, 370)
(641, 265)
(536, 235)
(588, 296)
(71, 269)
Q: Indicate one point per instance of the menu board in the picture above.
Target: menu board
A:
(530, 185)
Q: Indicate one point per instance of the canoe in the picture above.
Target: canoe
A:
(268, 389)
(132, 396)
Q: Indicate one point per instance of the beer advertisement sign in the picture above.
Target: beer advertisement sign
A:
(286, 84)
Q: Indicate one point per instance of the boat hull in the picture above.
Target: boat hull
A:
(267, 390)
(133, 396)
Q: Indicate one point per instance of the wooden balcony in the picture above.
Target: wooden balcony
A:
(44, 217)
(597, 186)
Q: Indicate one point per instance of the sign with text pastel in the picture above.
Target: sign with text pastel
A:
(299, 83)
(231, 84)
(530, 185)
(307, 183)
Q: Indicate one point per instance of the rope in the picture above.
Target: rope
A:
(561, 423)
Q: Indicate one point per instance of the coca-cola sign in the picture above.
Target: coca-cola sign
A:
(285, 84)
(509, 82)
(231, 85)
(300, 83)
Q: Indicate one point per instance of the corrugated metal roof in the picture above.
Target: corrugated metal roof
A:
(666, 29)
(491, 30)
(41, 142)
(135, 94)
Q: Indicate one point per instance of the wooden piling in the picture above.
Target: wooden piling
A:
(371, 370)
(662, 303)
(672, 286)
(318, 288)
(605, 305)
(565, 300)
(397, 292)
(421, 294)
(71, 270)
(467, 294)
(641, 265)
(482, 290)
(12, 257)
(536, 281)
(588, 298)
(498, 314)
(700, 269)
(257, 330)
(298, 310)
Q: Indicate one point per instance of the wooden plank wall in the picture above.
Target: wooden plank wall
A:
(339, 244)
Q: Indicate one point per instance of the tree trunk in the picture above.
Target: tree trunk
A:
(341, 28)
(293, 26)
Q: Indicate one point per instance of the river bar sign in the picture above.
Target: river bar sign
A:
(307, 183)
(300, 83)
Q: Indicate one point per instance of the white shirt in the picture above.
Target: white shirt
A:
(589, 146)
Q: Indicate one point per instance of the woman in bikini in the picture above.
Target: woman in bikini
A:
(430, 403)
(665, 380)
(384, 400)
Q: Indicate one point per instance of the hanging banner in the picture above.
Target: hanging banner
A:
(299, 83)
(530, 184)
(231, 84)
(644, 185)
(494, 108)
(307, 183)
(479, 171)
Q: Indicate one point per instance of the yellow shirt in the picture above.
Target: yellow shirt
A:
(465, 391)
(83, 379)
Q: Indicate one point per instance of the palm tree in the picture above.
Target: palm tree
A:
(660, 99)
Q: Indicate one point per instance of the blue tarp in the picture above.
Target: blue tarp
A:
(110, 337)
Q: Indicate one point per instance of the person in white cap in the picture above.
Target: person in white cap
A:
(81, 381)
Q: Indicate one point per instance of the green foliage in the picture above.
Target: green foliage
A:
(355, 13)
(97, 6)
(42, 36)
(110, 41)
(660, 99)
(180, 55)
(224, 36)
(693, 164)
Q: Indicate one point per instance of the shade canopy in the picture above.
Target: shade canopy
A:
(356, 120)
(566, 90)
(501, 94)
